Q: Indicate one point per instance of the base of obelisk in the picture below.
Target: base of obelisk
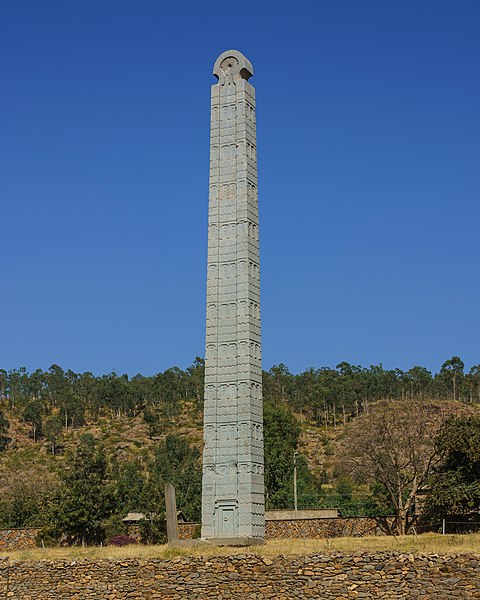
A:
(239, 542)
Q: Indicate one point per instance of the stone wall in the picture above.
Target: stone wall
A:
(18, 539)
(309, 528)
(324, 528)
(308, 513)
(187, 531)
(338, 576)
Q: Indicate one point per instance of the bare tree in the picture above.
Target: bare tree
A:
(395, 444)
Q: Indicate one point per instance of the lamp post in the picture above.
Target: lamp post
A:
(295, 454)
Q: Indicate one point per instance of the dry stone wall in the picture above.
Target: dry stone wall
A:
(187, 531)
(325, 528)
(309, 528)
(338, 576)
(18, 539)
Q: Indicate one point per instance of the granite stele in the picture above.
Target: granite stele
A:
(233, 507)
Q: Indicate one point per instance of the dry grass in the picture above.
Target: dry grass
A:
(421, 544)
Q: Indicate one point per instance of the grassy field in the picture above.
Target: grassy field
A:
(421, 544)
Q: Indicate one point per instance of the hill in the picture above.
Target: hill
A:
(124, 437)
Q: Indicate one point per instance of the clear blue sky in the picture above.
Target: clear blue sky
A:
(369, 162)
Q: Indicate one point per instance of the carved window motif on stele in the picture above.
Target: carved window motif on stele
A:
(228, 112)
(251, 190)
(228, 351)
(228, 231)
(228, 310)
(229, 191)
(251, 151)
(254, 270)
(228, 431)
(255, 389)
(250, 111)
(254, 350)
(214, 153)
(213, 233)
(254, 310)
(213, 271)
(253, 230)
(228, 151)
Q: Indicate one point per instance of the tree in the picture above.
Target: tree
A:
(130, 482)
(281, 436)
(175, 462)
(452, 374)
(472, 383)
(25, 494)
(3, 384)
(87, 496)
(395, 445)
(418, 381)
(4, 425)
(197, 381)
(276, 382)
(52, 428)
(32, 413)
(455, 485)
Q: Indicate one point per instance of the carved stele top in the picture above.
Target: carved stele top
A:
(230, 66)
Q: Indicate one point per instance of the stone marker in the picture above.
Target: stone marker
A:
(171, 513)
(233, 508)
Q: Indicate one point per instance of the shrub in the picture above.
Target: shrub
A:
(113, 527)
(48, 536)
(197, 531)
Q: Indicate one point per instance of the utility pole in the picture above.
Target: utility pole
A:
(295, 454)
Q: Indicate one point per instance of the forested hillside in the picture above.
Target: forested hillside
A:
(78, 451)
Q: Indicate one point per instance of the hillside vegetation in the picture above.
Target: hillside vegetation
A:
(78, 451)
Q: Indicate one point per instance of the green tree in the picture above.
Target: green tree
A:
(451, 374)
(472, 383)
(32, 414)
(157, 422)
(455, 485)
(418, 380)
(56, 384)
(175, 462)
(130, 483)
(16, 386)
(3, 384)
(52, 429)
(4, 425)
(277, 383)
(86, 499)
(281, 436)
(196, 374)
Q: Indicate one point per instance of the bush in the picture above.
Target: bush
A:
(48, 536)
(113, 527)
(121, 540)
(197, 532)
(154, 529)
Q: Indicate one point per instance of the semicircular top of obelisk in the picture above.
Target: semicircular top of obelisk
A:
(231, 65)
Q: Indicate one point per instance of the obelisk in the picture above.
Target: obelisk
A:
(233, 507)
